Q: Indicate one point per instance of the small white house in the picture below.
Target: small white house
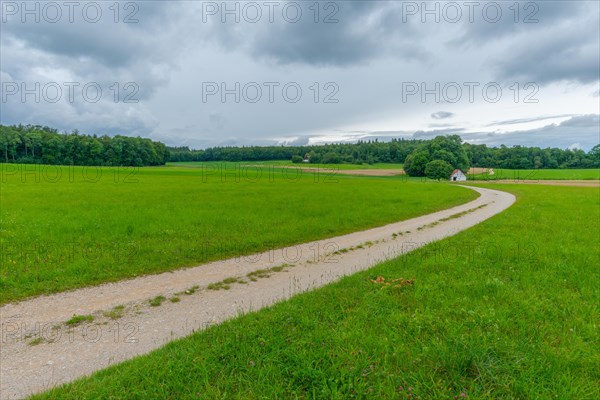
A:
(458, 175)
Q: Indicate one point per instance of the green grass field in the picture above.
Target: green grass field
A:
(280, 163)
(68, 227)
(540, 174)
(499, 173)
(513, 313)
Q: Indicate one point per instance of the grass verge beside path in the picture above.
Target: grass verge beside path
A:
(539, 174)
(507, 309)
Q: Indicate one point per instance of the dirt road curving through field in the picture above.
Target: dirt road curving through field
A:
(39, 351)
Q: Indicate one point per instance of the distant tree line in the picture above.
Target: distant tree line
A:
(42, 145)
(363, 152)
(39, 144)
(447, 148)
(436, 158)
(520, 157)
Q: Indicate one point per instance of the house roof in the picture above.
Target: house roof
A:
(456, 171)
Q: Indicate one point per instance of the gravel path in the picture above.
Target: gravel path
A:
(38, 350)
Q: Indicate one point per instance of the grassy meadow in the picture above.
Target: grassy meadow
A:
(499, 173)
(285, 163)
(512, 314)
(540, 174)
(68, 227)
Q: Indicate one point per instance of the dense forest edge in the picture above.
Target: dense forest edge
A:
(34, 144)
(29, 144)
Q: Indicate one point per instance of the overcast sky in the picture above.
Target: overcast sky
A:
(211, 73)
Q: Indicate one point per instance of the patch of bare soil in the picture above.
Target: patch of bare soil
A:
(477, 170)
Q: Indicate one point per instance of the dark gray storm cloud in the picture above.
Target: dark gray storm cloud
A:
(570, 56)
(331, 34)
(367, 48)
(105, 42)
(547, 40)
(551, 40)
(494, 21)
(322, 44)
(121, 53)
(563, 45)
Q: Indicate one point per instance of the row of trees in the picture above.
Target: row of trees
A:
(435, 157)
(39, 144)
(42, 145)
(445, 148)
(519, 157)
(356, 153)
